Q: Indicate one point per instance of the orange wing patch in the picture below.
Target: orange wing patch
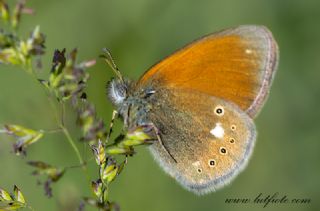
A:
(235, 64)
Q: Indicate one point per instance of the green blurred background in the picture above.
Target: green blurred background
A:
(140, 33)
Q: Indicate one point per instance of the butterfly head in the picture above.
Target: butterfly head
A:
(118, 90)
(132, 103)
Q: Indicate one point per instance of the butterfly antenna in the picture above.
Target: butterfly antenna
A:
(109, 60)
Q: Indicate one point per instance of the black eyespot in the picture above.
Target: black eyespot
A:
(233, 127)
(223, 150)
(199, 170)
(231, 140)
(219, 110)
(212, 163)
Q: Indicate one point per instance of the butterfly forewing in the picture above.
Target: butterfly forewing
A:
(237, 64)
(211, 139)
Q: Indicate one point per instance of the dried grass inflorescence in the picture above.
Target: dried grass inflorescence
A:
(65, 86)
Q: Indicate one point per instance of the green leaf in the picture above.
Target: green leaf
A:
(133, 142)
(11, 205)
(87, 119)
(8, 202)
(99, 153)
(10, 56)
(137, 135)
(4, 11)
(15, 19)
(36, 35)
(109, 173)
(121, 166)
(45, 169)
(116, 150)
(45, 83)
(25, 136)
(55, 79)
(4, 195)
(25, 47)
(97, 187)
(39, 164)
(18, 195)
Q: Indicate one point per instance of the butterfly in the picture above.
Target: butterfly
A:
(199, 104)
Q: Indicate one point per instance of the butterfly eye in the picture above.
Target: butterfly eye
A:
(223, 150)
(149, 92)
(212, 163)
(219, 110)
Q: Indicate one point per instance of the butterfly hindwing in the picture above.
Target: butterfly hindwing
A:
(210, 139)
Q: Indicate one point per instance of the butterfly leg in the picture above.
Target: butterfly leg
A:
(114, 115)
(157, 132)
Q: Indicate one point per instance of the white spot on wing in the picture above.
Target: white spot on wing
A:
(248, 51)
(197, 163)
(218, 131)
